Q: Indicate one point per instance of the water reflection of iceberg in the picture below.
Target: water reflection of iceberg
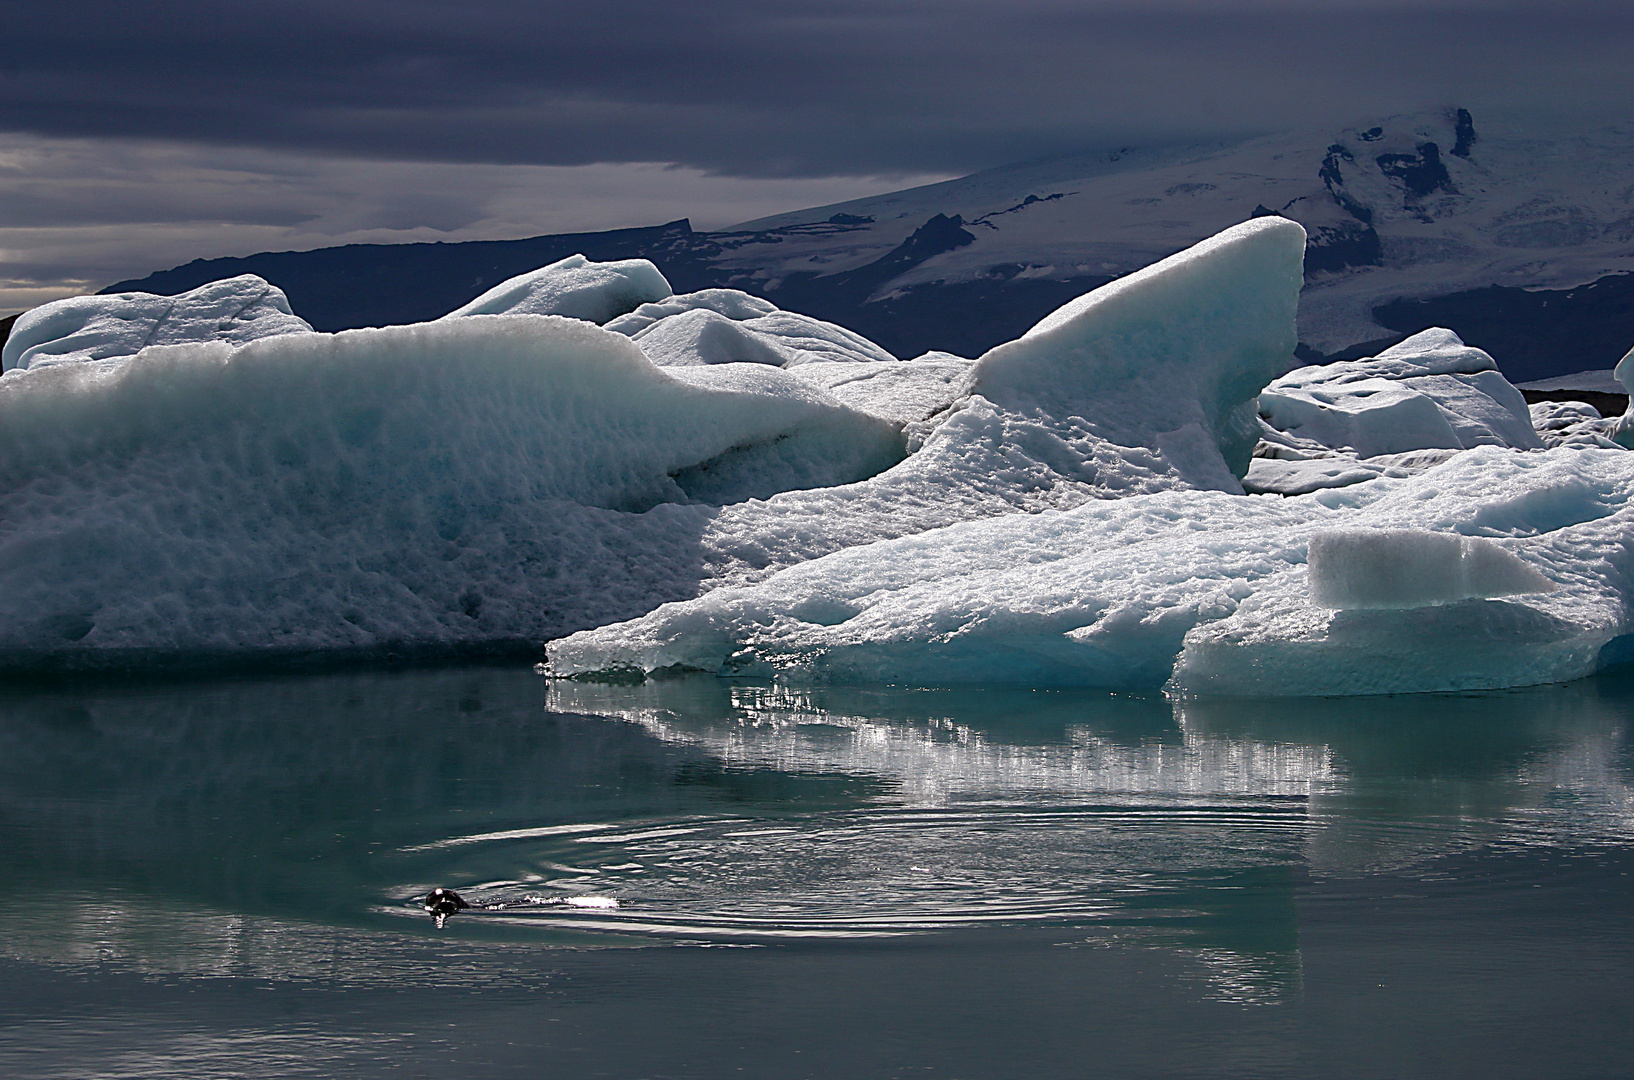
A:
(934, 744)
(255, 811)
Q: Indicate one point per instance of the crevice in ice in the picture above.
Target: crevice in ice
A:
(1617, 653)
(810, 460)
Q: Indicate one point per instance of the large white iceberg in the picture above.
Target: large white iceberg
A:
(1183, 347)
(467, 480)
(760, 493)
(574, 287)
(236, 310)
(507, 478)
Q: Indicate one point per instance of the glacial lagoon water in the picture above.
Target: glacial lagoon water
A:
(219, 878)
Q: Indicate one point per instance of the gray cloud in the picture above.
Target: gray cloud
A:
(143, 135)
(794, 88)
(76, 214)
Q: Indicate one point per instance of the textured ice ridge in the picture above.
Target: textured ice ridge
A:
(574, 287)
(725, 326)
(234, 310)
(475, 479)
(1407, 409)
(1200, 591)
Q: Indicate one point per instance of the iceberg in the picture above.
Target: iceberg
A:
(1572, 423)
(234, 310)
(1199, 592)
(708, 483)
(723, 326)
(574, 287)
(493, 478)
(1430, 391)
(513, 478)
(1410, 407)
(1369, 416)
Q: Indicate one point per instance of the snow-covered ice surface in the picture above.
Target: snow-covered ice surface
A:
(495, 477)
(1409, 408)
(725, 326)
(574, 287)
(1203, 591)
(905, 393)
(234, 310)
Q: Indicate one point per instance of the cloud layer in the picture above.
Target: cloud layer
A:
(305, 119)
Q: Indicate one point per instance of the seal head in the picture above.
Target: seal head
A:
(442, 903)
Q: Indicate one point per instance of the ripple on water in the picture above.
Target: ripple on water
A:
(874, 872)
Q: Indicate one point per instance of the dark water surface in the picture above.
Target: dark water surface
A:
(219, 879)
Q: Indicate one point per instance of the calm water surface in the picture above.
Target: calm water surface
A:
(219, 879)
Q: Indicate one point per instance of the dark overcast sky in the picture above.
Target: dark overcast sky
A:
(136, 135)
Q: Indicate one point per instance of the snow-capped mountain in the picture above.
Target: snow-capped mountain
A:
(1517, 234)
(1407, 208)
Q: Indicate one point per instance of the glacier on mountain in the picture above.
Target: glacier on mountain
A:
(759, 493)
(1399, 209)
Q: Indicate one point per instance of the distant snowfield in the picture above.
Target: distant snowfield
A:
(1136, 494)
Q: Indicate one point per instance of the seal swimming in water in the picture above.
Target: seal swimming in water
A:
(442, 903)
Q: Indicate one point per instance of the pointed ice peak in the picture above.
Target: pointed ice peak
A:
(1174, 352)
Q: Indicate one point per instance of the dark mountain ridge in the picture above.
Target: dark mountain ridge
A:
(1516, 237)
